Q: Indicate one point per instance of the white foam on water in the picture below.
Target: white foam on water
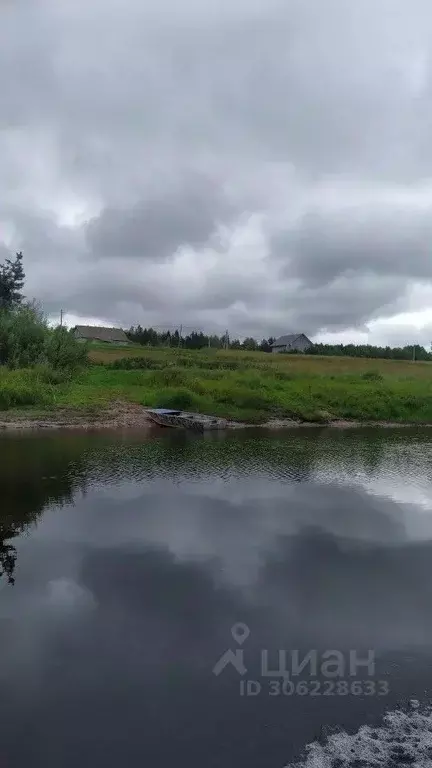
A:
(403, 739)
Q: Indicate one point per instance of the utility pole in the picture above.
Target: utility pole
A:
(226, 339)
(180, 333)
(61, 318)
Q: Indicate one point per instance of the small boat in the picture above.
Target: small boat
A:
(166, 417)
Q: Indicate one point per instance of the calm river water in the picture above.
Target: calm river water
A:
(131, 565)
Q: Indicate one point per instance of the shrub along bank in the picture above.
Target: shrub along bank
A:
(35, 360)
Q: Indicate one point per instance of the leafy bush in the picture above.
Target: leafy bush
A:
(135, 363)
(26, 340)
(62, 351)
(241, 398)
(372, 376)
(23, 388)
(53, 376)
(178, 399)
(177, 361)
(170, 377)
(22, 336)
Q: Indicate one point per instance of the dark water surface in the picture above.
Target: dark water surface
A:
(126, 563)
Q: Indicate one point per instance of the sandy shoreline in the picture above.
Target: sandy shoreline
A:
(118, 415)
(121, 415)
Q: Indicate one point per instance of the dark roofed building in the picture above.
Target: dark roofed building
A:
(290, 342)
(100, 334)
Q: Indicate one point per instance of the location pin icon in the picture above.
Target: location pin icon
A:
(240, 632)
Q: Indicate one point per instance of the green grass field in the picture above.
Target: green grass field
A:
(302, 363)
(252, 387)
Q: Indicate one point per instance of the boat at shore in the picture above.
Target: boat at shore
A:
(198, 422)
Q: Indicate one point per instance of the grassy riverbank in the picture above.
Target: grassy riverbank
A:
(252, 387)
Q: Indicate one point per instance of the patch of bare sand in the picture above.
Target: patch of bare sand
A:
(124, 415)
(118, 415)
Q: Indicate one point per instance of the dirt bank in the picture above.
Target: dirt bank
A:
(123, 415)
(119, 415)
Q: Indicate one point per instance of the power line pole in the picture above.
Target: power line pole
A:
(61, 318)
(180, 333)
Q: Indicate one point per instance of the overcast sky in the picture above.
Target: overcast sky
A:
(258, 165)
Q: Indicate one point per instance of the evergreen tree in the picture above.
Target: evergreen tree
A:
(12, 278)
(250, 344)
(266, 344)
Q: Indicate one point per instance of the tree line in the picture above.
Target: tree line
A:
(407, 352)
(198, 340)
(195, 340)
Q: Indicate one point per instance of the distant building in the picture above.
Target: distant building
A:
(100, 334)
(293, 341)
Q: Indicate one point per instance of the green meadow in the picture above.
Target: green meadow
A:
(252, 387)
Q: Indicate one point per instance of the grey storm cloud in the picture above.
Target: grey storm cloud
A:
(187, 214)
(321, 247)
(264, 166)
